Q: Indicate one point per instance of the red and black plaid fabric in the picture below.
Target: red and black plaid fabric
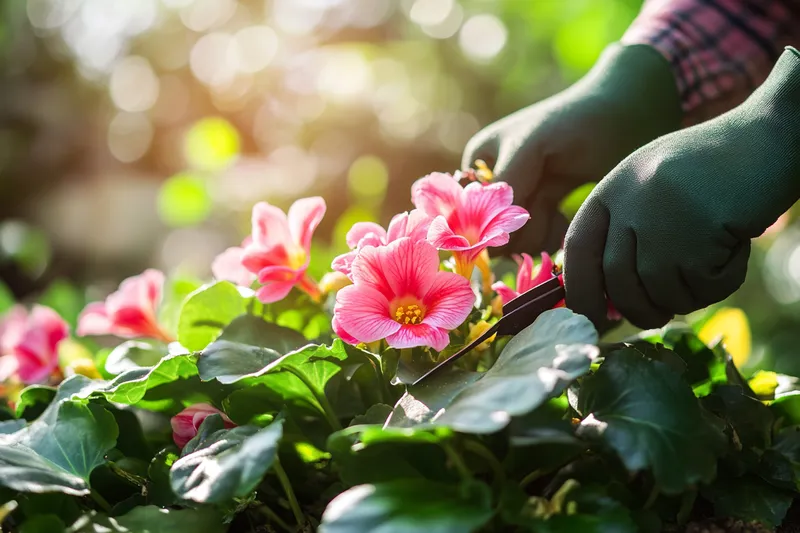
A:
(720, 50)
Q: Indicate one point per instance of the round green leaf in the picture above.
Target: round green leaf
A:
(58, 454)
(246, 345)
(409, 505)
(207, 311)
(537, 364)
(225, 464)
(648, 414)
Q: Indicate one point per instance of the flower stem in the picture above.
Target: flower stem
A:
(455, 458)
(287, 488)
(327, 408)
(533, 476)
(99, 500)
(479, 449)
(271, 515)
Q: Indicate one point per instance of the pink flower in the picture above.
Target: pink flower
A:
(413, 225)
(29, 343)
(280, 249)
(467, 219)
(526, 279)
(130, 312)
(399, 294)
(228, 266)
(186, 423)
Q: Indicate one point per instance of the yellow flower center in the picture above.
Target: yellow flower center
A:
(297, 258)
(409, 314)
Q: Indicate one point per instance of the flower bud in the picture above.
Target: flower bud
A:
(186, 423)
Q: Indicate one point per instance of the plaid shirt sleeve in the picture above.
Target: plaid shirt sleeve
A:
(720, 50)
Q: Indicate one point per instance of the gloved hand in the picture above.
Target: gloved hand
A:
(668, 230)
(550, 148)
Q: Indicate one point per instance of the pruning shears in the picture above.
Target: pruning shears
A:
(518, 314)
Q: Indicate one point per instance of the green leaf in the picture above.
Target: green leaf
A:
(537, 364)
(134, 355)
(58, 455)
(225, 464)
(207, 311)
(646, 413)
(376, 414)
(371, 454)
(33, 401)
(151, 519)
(749, 498)
(159, 490)
(8, 427)
(245, 346)
(301, 377)
(750, 419)
(169, 386)
(409, 505)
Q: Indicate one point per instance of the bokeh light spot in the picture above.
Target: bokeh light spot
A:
(183, 200)
(255, 47)
(129, 136)
(211, 144)
(368, 177)
(482, 37)
(134, 85)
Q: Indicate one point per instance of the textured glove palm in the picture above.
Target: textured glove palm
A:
(548, 149)
(668, 230)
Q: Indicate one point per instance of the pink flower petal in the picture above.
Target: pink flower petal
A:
(186, 423)
(34, 342)
(437, 194)
(12, 328)
(525, 273)
(545, 271)
(228, 266)
(413, 225)
(278, 282)
(507, 221)
(339, 330)
(344, 263)
(94, 320)
(360, 230)
(449, 301)
(419, 335)
(304, 217)
(363, 312)
(256, 257)
(443, 237)
(504, 291)
(368, 269)
(410, 267)
(484, 202)
(270, 227)
(8, 367)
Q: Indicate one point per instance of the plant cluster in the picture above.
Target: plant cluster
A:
(268, 401)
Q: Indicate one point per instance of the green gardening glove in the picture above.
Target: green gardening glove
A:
(668, 230)
(577, 136)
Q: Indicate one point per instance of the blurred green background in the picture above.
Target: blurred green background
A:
(139, 133)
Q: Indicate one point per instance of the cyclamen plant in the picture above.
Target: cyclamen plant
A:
(268, 401)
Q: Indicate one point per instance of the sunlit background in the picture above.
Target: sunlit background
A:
(139, 133)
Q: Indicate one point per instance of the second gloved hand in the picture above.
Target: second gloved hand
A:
(668, 230)
(550, 148)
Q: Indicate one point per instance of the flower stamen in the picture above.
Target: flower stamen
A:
(409, 314)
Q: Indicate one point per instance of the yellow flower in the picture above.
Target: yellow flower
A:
(84, 367)
(483, 172)
(497, 306)
(478, 329)
(730, 325)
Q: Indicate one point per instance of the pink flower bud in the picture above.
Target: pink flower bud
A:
(186, 423)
